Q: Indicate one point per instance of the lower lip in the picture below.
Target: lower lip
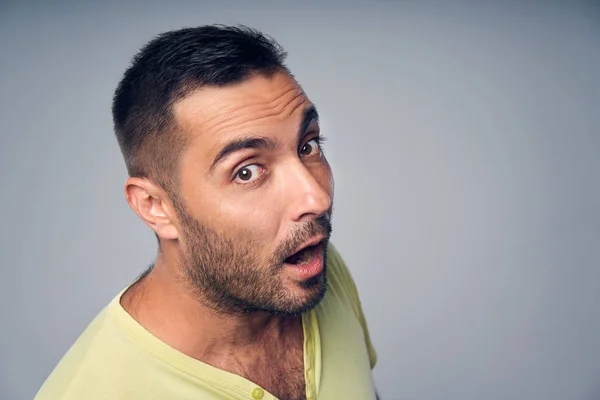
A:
(312, 268)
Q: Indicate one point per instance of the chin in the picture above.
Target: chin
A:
(302, 296)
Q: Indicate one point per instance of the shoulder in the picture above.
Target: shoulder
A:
(340, 280)
(96, 366)
(75, 364)
(341, 287)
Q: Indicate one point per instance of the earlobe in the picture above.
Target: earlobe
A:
(148, 201)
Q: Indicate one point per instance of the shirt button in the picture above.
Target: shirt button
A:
(258, 393)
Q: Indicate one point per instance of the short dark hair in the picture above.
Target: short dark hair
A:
(167, 69)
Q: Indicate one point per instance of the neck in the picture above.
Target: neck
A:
(167, 307)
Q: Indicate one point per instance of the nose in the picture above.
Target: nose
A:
(310, 191)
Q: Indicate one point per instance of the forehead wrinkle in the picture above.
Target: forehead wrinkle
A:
(211, 110)
(228, 115)
(238, 118)
(219, 111)
(279, 112)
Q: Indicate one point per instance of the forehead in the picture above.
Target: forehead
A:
(213, 113)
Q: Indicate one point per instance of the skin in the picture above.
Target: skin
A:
(283, 205)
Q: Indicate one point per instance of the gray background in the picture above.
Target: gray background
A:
(465, 141)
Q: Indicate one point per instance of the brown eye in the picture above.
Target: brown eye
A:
(309, 148)
(248, 173)
(245, 174)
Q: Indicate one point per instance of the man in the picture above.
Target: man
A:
(247, 299)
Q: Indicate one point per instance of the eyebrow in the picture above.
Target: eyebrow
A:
(310, 115)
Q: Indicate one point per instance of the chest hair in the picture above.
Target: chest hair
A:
(277, 365)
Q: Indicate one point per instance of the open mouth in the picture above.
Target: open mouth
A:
(303, 257)
(307, 263)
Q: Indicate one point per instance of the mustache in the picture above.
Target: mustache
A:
(301, 234)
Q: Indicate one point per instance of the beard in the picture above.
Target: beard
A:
(228, 275)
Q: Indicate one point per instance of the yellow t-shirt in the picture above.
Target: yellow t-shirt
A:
(116, 358)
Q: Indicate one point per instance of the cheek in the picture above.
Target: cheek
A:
(254, 215)
(323, 174)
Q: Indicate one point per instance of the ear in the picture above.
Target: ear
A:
(151, 204)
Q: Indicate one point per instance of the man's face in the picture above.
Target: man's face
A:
(254, 189)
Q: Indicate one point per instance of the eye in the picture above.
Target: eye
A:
(311, 147)
(248, 174)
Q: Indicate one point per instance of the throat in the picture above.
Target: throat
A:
(282, 357)
(279, 352)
